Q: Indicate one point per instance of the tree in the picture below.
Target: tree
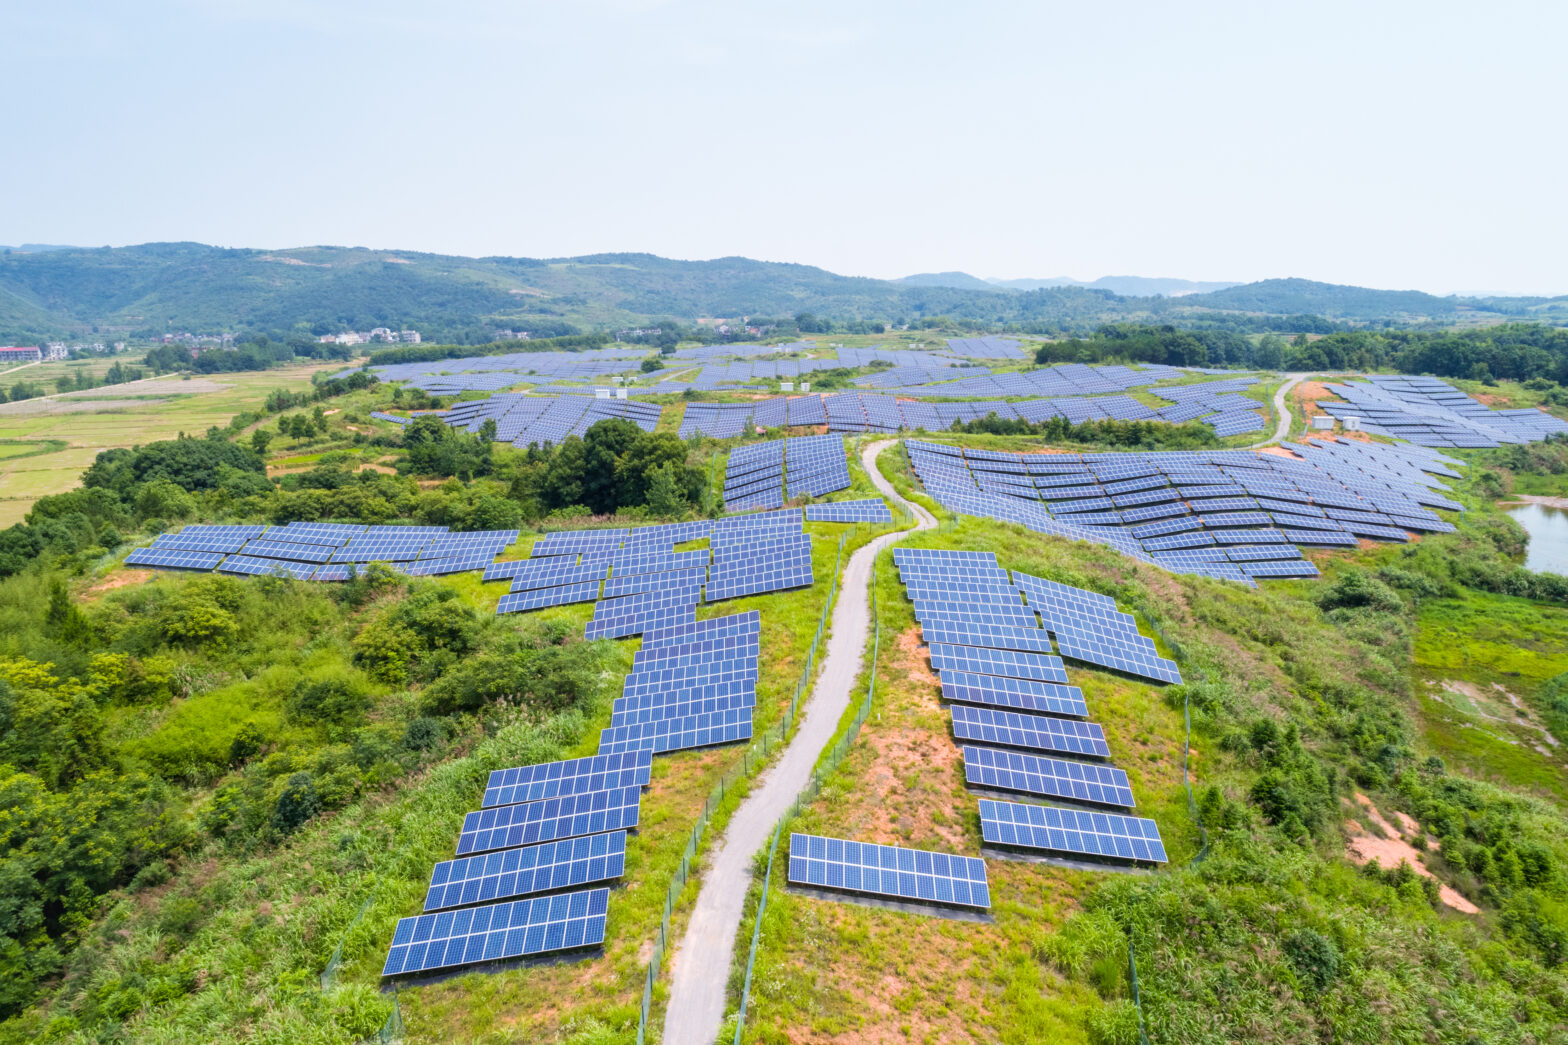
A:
(665, 496)
(260, 439)
(604, 444)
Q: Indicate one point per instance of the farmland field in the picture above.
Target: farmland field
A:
(120, 415)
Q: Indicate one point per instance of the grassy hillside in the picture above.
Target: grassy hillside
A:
(1313, 726)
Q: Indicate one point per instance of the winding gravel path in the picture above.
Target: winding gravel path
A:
(700, 967)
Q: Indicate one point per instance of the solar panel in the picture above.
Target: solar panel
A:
(984, 661)
(994, 636)
(570, 777)
(1009, 614)
(592, 812)
(697, 651)
(671, 734)
(1050, 698)
(173, 560)
(1050, 777)
(509, 873)
(498, 931)
(636, 583)
(765, 577)
(265, 549)
(197, 542)
(873, 510)
(636, 620)
(546, 574)
(1039, 732)
(246, 565)
(885, 870)
(448, 565)
(1071, 831)
(747, 623)
(516, 602)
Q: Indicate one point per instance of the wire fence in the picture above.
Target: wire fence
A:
(807, 795)
(748, 763)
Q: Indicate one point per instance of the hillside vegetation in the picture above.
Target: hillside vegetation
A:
(149, 289)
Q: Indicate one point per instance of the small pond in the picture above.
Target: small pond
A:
(1548, 529)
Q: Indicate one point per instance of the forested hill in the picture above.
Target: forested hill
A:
(158, 287)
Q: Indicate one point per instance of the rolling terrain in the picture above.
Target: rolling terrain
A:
(144, 291)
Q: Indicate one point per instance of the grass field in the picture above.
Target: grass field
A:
(122, 415)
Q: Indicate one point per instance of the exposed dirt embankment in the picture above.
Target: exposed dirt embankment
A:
(1391, 851)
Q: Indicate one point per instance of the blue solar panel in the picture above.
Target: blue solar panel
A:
(1050, 698)
(635, 583)
(1050, 777)
(994, 636)
(448, 565)
(884, 870)
(173, 560)
(764, 577)
(509, 873)
(984, 661)
(638, 620)
(265, 549)
(1038, 732)
(246, 565)
(1070, 831)
(515, 602)
(495, 932)
(570, 777)
(671, 734)
(1012, 614)
(747, 623)
(589, 813)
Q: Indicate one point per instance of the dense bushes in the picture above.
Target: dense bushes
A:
(1144, 435)
(205, 711)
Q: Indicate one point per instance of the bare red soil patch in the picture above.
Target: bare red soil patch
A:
(1364, 847)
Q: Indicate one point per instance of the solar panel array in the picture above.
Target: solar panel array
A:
(1071, 832)
(542, 829)
(1023, 729)
(492, 373)
(762, 475)
(496, 932)
(872, 510)
(320, 551)
(1430, 412)
(723, 420)
(1235, 515)
(526, 419)
(893, 872)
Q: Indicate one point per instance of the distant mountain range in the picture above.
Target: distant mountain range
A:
(73, 292)
(1124, 286)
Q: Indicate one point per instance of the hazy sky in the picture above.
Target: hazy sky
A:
(1406, 145)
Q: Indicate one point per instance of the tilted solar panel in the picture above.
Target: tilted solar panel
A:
(671, 734)
(1049, 698)
(1049, 777)
(1070, 831)
(592, 812)
(987, 661)
(573, 776)
(516, 602)
(495, 932)
(509, 873)
(884, 870)
(1037, 732)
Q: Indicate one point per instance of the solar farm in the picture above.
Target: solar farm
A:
(1236, 515)
(533, 866)
(1428, 411)
(765, 475)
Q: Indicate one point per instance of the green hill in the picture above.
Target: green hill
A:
(149, 289)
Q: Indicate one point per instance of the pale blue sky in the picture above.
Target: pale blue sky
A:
(1386, 144)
